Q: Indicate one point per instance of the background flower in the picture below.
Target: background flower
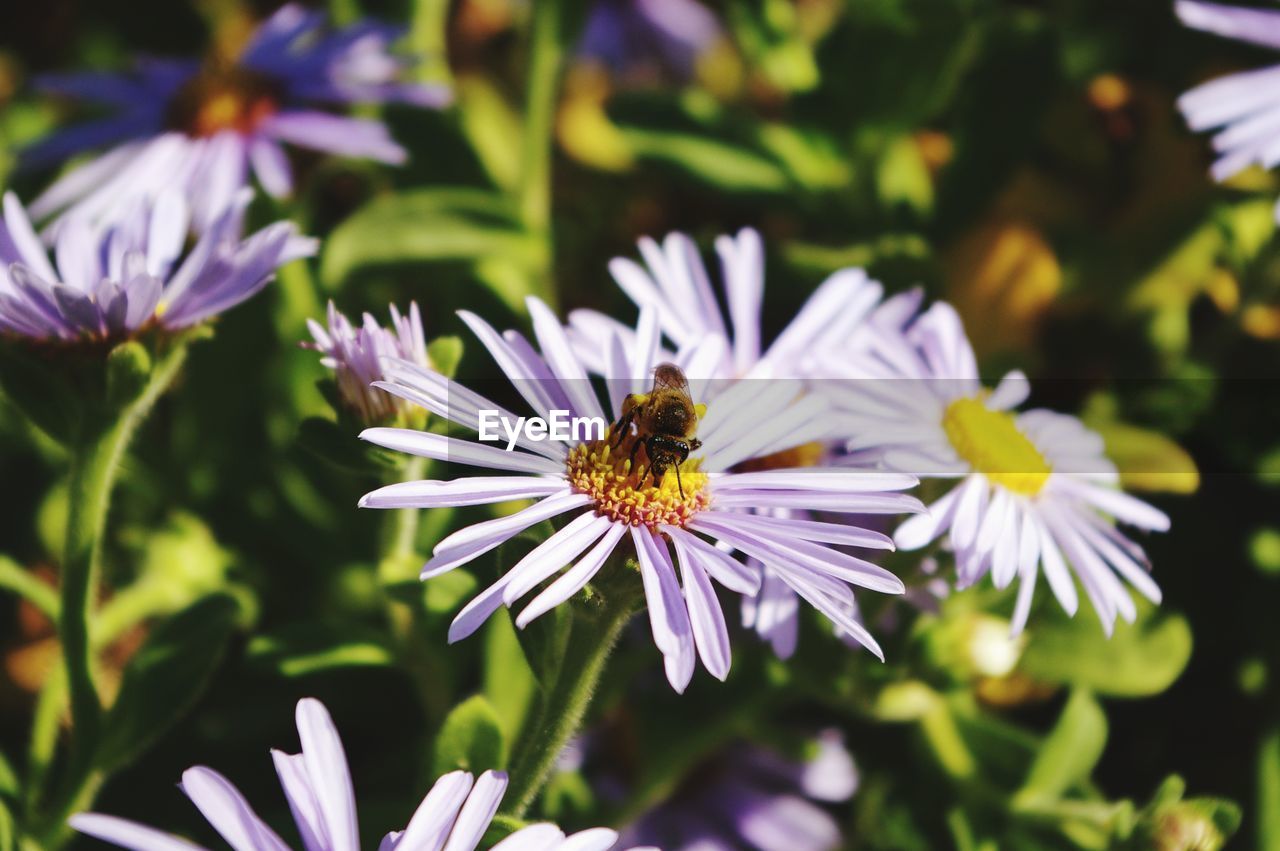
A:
(355, 355)
(753, 797)
(1034, 488)
(1245, 105)
(201, 127)
(112, 281)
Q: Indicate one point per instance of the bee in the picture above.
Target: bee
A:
(666, 420)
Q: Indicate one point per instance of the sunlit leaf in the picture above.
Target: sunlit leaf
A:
(1138, 660)
(310, 648)
(1070, 752)
(426, 225)
(471, 739)
(725, 166)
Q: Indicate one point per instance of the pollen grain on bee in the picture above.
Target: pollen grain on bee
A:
(560, 425)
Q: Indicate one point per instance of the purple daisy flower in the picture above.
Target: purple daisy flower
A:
(1245, 105)
(355, 355)
(650, 35)
(700, 506)
(317, 784)
(1036, 490)
(754, 798)
(836, 333)
(202, 128)
(114, 280)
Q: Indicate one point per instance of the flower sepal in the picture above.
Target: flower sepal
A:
(60, 388)
(1173, 823)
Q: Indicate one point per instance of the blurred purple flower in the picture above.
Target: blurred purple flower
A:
(1246, 105)
(201, 128)
(112, 281)
(317, 785)
(355, 355)
(595, 482)
(647, 35)
(756, 799)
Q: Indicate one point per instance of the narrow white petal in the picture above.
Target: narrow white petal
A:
(326, 763)
(127, 834)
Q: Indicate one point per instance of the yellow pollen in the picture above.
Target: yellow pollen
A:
(992, 444)
(606, 474)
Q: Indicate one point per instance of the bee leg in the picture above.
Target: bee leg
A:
(657, 461)
(694, 444)
(635, 447)
(621, 428)
(679, 483)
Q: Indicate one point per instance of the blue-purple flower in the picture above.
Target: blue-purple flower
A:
(1246, 106)
(754, 798)
(317, 785)
(650, 35)
(106, 282)
(202, 128)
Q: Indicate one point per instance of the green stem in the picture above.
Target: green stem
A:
(546, 58)
(94, 461)
(99, 444)
(400, 563)
(401, 531)
(592, 635)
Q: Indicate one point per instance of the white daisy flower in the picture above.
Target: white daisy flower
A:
(1035, 493)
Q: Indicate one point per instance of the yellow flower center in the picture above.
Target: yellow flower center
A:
(992, 445)
(625, 492)
(222, 98)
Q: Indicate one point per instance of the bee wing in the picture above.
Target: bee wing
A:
(671, 377)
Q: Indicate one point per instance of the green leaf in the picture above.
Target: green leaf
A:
(545, 639)
(18, 579)
(725, 166)
(427, 225)
(1070, 752)
(8, 829)
(445, 353)
(1268, 809)
(902, 179)
(341, 447)
(490, 124)
(303, 649)
(509, 682)
(471, 739)
(445, 594)
(1140, 659)
(165, 677)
